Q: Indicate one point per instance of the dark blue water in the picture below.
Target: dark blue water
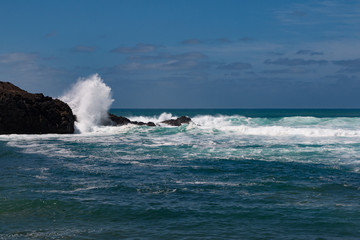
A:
(233, 174)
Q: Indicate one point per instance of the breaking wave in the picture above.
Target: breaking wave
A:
(90, 99)
(286, 126)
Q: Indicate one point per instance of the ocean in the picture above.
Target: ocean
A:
(231, 174)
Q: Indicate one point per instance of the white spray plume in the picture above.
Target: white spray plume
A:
(90, 99)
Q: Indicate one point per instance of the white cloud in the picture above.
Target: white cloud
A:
(17, 57)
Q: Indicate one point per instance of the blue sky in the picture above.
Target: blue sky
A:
(188, 54)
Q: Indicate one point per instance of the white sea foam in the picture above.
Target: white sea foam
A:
(156, 119)
(234, 125)
(331, 141)
(90, 99)
(278, 131)
(290, 126)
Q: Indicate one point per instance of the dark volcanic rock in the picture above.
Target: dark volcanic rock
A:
(178, 121)
(151, 124)
(119, 121)
(26, 113)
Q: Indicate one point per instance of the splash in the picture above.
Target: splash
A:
(90, 99)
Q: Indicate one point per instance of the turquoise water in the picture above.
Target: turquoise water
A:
(232, 174)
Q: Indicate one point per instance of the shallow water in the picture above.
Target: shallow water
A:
(232, 174)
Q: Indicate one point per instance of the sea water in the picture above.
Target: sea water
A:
(230, 174)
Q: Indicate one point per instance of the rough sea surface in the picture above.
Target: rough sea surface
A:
(232, 174)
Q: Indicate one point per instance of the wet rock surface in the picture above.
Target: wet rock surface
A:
(178, 121)
(119, 121)
(26, 113)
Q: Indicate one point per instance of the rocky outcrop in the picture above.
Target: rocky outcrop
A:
(26, 113)
(119, 121)
(150, 124)
(178, 121)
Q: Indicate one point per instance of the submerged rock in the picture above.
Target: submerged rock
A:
(26, 113)
(178, 121)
